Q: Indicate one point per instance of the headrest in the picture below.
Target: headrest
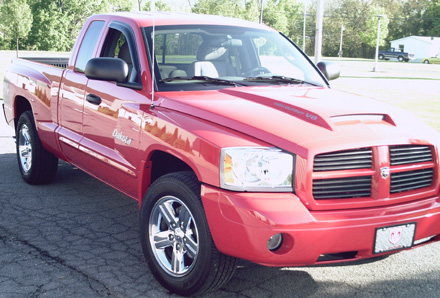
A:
(209, 52)
(124, 53)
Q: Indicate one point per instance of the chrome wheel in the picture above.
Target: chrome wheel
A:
(174, 236)
(176, 239)
(36, 164)
(25, 148)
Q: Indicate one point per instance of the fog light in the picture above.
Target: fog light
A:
(274, 242)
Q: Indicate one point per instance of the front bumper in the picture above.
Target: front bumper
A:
(242, 223)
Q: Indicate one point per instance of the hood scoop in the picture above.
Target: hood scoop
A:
(362, 118)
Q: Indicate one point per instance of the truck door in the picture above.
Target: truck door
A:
(111, 121)
(72, 93)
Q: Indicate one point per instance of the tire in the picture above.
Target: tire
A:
(400, 58)
(381, 57)
(173, 226)
(36, 164)
(426, 61)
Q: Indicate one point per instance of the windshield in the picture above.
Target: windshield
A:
(200, 57)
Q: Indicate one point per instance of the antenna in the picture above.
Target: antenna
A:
(153, 56)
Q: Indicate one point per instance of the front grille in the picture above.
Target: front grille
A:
(403, 155)
(342, 188)
(407, 181)
(345, 183)
(343, 160)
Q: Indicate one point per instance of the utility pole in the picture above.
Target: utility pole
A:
(190, 7)
(318, 34)
(304, 28)
(377, 42)
(340, 43)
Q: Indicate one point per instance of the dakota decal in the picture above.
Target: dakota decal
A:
(119, 136)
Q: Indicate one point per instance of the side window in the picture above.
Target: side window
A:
(113, 43)
(116, 46)
(88, 45)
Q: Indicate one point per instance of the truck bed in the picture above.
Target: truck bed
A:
(60, 62)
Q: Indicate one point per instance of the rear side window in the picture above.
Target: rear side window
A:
(88, 45)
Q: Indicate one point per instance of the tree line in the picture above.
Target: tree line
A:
(52, 25)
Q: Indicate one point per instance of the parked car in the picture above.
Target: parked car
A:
(233, 143)
(432, 60)
(396, 54)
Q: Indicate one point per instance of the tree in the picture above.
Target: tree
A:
(57, 22)
(158, 6)
(16, 20)
(50, 27)
(247, 9)
(286, 16)
(369, 36)
(359, 18)
(432, 18)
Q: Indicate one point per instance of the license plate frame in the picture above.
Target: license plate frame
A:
(396, 237)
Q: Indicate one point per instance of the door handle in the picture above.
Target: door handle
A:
(93, 99)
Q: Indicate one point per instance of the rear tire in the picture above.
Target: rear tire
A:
(176, 240)
(36, 164)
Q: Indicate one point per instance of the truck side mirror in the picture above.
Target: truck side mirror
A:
(329, 69)
(107, 69)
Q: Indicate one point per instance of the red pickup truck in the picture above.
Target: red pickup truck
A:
(233, 143)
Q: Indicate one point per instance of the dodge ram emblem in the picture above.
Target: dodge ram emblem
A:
(395, 235)
(384, 172)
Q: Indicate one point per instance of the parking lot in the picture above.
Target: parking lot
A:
(77, 237)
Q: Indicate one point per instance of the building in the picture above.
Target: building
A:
(420, 46)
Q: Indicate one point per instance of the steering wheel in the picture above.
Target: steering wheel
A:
(255, 71)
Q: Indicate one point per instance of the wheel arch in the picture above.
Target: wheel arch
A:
(159, 163)
(21, 105)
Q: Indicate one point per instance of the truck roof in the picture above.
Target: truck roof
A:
(145, 19)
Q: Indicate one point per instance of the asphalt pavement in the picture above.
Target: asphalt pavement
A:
(77, 237)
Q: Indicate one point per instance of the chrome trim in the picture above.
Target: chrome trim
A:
(98, 156)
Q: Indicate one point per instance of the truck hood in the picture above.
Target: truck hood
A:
(302, 119)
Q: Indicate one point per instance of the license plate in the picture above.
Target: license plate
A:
(394, 238)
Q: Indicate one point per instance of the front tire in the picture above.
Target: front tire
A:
(36, 164)
(176, 240)
(426, 61)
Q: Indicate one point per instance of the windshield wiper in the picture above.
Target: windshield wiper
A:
(279, 80)
(205, 79)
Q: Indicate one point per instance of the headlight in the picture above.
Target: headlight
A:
(256, 169)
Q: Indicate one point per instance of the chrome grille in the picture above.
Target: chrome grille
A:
(343, 160)
(407, 181)
(353, 187)
(402, 155)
